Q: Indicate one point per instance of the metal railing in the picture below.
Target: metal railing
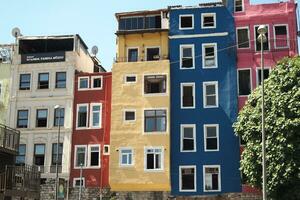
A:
(141, 59)
(9, 138)
(20, 180)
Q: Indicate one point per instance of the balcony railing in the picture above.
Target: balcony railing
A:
(22, 181)
(9, 138)
(141, 59)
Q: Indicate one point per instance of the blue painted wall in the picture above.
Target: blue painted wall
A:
(228, 155)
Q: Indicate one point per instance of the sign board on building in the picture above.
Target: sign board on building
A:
(43, 57)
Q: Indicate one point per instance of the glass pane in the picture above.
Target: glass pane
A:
(243, 40)
(161, 124)
(150, 124)
(211, 131)
(210, 89)
(124, 159)
(150, 161)
(44, 77)
(188, 144)
(129, 159)
(97, 83)
(158, 161)
(186, 22)
(244, 82)
(23, 114)
(188, 179)
(188, 132)
(39, 149)
(83, 83)
(187, 52)
(149, 113)
(42, 113)
(209, 51)
(132, 55)
(211, 100)
(208, 21)
(211, 143)
(126, 151)
(96, 119)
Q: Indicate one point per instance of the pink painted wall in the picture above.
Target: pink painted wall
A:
(269, 14)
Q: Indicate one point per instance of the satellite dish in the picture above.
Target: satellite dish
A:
(94, 50)
(16, 32)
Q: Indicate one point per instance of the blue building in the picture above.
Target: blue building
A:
(204, 150)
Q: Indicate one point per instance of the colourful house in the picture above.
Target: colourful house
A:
(140, 127)
(204, 150)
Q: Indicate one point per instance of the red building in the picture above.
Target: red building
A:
(91, 130)
(280, 19)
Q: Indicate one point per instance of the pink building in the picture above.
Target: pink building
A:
(280, 19)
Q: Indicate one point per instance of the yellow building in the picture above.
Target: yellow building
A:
(140, 119)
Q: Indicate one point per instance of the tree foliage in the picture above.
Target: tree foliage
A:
(282, 129)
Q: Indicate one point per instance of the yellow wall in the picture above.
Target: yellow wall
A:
(124, 134)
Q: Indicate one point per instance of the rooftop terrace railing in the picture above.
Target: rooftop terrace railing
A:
(141, 59)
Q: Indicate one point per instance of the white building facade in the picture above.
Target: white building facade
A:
(43, 72)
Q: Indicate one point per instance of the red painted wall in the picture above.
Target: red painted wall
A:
(93, 177)
(269, 14)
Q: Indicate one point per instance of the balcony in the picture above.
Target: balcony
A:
(20, 181)
(9, 140)
(141, 59)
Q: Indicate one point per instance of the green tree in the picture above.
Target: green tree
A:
(282, 128)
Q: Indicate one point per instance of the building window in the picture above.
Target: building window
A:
(187, 178)
(152, 53)
(80, 156)
(138, 23)
(97, 82)
(22, 119)
(243, 38)
(39, 154)
(155, 120)
(154, 158)
(265, 44)
(132, 54)
(61, 80)
(126, 157)
(106, 149)
(210, 55)
(41, 117)
(82, 116)
(211, 137)
(83, 83)
(212, 179)
(187, 57)
(266, 75)
(154, 84)
(188, 137)
(238, 5)
(96, 115)
(20, 159)
(244, 78)
(77, 182)
(129, 115)
(208, 20)
(94, 156)
(54, 153)
(130, 78)
(59, 116)
(187, 95)
(281, 36)
(186, 22)
(210, 94)
(24, 81)
(43, 82)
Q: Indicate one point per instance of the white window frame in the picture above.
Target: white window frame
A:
(239, 28)
(204, 94)
(193, 22)
(182, 126)
(268, 31)
(36, 115)
(151, 47)
(92, 82)
(19, 80)
(130, 75)
(287, 36)
(243, 7)
(204, 45)
(87, 116)
(155, 132)
(208, 15)
(257, 75)
(78, 179)
(219, 177)
(195, 177)
(88, 85)
(127, 53)
(205, 137)
(120, 157)
(251, 88)
(181, 54)
(88, 165)
(145, 159)
(108, 149)
(124, 115)
(85, 157)
(91, 115)
(181, 95)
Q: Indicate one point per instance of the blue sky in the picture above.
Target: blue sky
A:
(93, 19)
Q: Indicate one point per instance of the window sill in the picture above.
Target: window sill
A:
(188, 108)
(155, 94)
(88, 128)
(211, 190)
(187, 190)
(97, 167)
(186, 68)
(215, 150)
(155, 133)
(154, 170)
(210, 106)
(188, 151)
(212, 67)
